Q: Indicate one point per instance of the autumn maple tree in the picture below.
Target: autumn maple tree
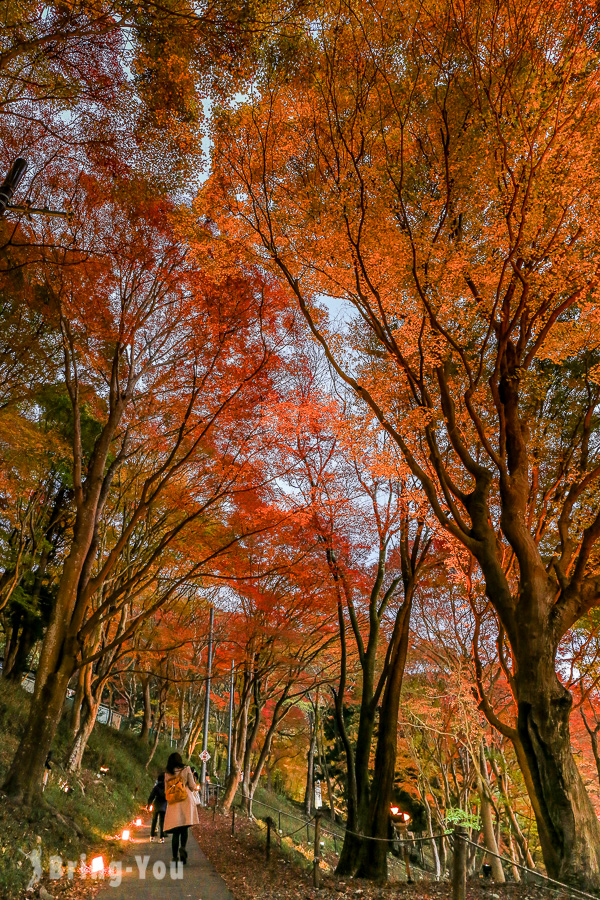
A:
(428, 165)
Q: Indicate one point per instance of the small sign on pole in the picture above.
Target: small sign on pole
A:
(318, 798)
(205, 756)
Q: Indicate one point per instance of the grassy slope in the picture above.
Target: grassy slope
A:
(77, 822)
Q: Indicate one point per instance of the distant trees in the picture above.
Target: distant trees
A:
(373, 548)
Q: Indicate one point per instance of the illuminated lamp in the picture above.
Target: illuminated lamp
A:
(97, 864)
(125, 835)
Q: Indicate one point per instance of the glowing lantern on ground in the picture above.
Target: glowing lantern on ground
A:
(125, 836)
(138, 822)
(97, 864)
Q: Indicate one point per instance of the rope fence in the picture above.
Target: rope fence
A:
(401, 845)
(551, 883)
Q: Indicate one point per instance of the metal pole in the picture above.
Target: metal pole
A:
(230, 721)
(207, 701)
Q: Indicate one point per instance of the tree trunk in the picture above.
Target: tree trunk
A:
(24, 777)
(77, 702)
(515, 858)
(487, 821)
(593, 733)
(373, 858)
(310, 765)
(437, 866)
(565, 812)
(231, 785)
(157, 731)
(194, 735)
(147, 719)
(239, 736)
(514, 824)
(56, 666)
(352, 840)
(349, 853)
(324, 765)
(353, 843)
(10, 647)
(86, 726)
(269, 771)
(16, 656)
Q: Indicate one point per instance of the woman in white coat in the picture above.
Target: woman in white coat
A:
(181, 806)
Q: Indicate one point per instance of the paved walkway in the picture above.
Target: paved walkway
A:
(146, 873)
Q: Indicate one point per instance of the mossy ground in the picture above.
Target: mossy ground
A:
(74, 823)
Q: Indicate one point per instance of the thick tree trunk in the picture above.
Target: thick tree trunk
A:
(24, 777)
(56, 666)
(231, 785)
(565, 811)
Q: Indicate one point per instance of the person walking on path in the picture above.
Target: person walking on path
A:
(157, 802)
(181, 805)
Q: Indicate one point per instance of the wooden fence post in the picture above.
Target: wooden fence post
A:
(409, 878)
(459, 867)
(317, 852)
(233, 819)
(269, 823)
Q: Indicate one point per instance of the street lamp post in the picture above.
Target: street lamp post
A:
(207, 702)
(230, 720)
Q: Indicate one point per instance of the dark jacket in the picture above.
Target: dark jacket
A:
(157, 795)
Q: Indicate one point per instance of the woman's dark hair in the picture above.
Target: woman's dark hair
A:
(174, 762)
